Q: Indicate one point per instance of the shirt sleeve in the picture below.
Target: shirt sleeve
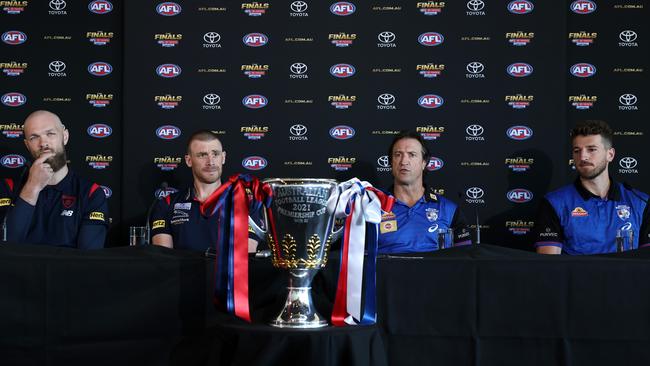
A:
(6, 197)
(159, 223)
(94, 224)
(644, 232)
(462, 235)
(548, 229)
(19, 218)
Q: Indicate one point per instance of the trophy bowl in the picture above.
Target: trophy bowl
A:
(299, 232)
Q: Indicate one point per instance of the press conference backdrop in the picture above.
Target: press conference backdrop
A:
(319, 89)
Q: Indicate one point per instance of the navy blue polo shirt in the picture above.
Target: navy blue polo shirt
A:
(179, 215)
(579, 222)
(72, 213)
(415, 229)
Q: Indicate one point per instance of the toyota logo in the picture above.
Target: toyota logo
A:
(383, 161)
(211, 99)
(627, 162)
(298, 68)
(386, 37)
(57, 4)
(57, 66)
(474, 193)
(298, 130)
(211, 37)
(386, 99)
(627, 99)
(475, 67)
(298, 6)
(474, 130)
(627, 36)
(475, 5)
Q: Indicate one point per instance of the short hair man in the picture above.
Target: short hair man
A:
(418, 212)
(583, 217)
(55, 206)
(178, 220)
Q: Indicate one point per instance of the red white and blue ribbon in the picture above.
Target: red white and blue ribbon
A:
(231, 202)
(361, 205)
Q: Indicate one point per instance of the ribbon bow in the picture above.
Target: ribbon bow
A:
(361, 205)
(232, 202)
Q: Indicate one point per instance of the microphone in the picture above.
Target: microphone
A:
(163, 186)
(478, 226)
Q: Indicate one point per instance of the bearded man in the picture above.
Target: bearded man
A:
(55, 206)
(587, 216)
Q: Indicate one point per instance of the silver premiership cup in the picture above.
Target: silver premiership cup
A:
(303, 227)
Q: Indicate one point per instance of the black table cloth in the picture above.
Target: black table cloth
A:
(482, 305)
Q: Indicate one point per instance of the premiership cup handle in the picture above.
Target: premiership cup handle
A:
(258, 230)
(336, 234)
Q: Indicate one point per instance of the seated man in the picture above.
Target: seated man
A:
(55, 206)
(583, 217)
(177, 220)
(418, 213)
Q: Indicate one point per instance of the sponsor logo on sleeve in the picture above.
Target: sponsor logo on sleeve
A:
(95, 215)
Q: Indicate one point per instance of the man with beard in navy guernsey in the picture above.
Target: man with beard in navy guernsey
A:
(418, 212)
(55, 206)
(177, 221)
(584, 217)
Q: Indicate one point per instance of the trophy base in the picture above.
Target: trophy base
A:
(298, 311)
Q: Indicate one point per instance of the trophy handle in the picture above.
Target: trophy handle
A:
(336, 234)
(258, 230)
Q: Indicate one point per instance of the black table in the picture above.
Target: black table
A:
(482, 305)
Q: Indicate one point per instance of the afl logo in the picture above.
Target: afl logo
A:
(168, 132)
(519, 195)
(254, 163)
(255, 39)
(168, 71)
(583, 70)
(100, 68)
(168, 9)
(435, 164)
(14, 99)
(430, 101)
(431, 39)
(520, 7)
(100, 130)
(107, 191)
(14, 37)
(342, 132)
(583, 6)
(13, 161)
(519, 69)
(342, 70)
(255, 101)
(519, 133)
(100, 7)
(343, 8)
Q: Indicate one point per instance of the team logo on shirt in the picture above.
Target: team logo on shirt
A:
(388, 226)
(623, 212)
(68, 201)
(158, 224)
(432, 214)
(95, 215)
(5, 202)
(388, 223)
(579, 212)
